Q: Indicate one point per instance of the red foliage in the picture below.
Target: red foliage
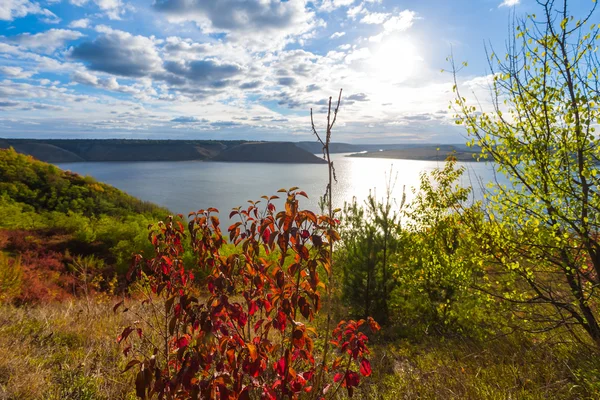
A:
(252, 336)
(44, 278)
(44, 264)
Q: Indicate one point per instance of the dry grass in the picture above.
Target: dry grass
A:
(62, 351)
(508, 368)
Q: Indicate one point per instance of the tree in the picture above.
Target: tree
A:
(371, 237)
(439, 267)
(541, 135)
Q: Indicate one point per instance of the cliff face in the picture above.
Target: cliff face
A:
(59, 151)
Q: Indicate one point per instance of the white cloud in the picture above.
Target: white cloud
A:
(113, 9)
(356, 11)
(509, 3)
(119, 53)
(258, 24)
(375, 18)
(330, 5)
(400, 22)
(396, 23)
(11, 9)
(15, 72)
(337, 35)
(358, 54)
(80, 23)
(85, 78)
(46, 42)
(35, 61)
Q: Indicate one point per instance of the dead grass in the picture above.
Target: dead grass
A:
(62, 351)
(508, 368)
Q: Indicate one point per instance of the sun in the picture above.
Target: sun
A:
(395, 60)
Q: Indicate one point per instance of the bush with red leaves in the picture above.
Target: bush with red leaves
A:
(254, 335)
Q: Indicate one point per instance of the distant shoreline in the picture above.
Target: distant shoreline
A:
(426, 153)
(107, 150)
(100, 150)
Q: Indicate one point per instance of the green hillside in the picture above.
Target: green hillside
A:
(48, 188)
(56, 225)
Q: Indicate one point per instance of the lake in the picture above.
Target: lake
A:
(187, 186)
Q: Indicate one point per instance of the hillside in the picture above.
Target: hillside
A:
(279, 152)
(77, 150)
(56, 225)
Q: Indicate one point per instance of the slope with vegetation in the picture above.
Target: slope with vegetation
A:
(57, 227)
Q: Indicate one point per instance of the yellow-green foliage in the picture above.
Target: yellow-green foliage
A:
(545, 226)
(10, 278)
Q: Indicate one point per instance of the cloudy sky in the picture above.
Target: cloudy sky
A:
(240, 69)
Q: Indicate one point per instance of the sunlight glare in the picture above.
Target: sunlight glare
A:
(395, 60)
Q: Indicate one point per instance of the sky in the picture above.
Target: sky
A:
(243, 69)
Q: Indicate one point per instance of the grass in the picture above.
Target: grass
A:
(63, 351)
(511, 367)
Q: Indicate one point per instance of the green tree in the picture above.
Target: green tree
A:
(371, 238)
(439, 269)
(541, 134)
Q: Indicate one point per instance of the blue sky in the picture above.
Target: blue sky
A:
(242, 69)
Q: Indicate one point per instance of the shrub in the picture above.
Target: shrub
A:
(254, 334)
(440, 264)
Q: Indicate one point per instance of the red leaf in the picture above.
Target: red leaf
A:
(280, 366)
(352, 379)
(125, 333)
(266, 235)
(338, 377)
(182, 341)
(252, 308)
(365, 367)
(258, 324)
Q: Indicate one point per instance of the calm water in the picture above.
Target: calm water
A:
(189, 186)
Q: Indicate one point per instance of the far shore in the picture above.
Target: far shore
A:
(422, 154)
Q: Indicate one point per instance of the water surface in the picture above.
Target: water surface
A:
(187, 186)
